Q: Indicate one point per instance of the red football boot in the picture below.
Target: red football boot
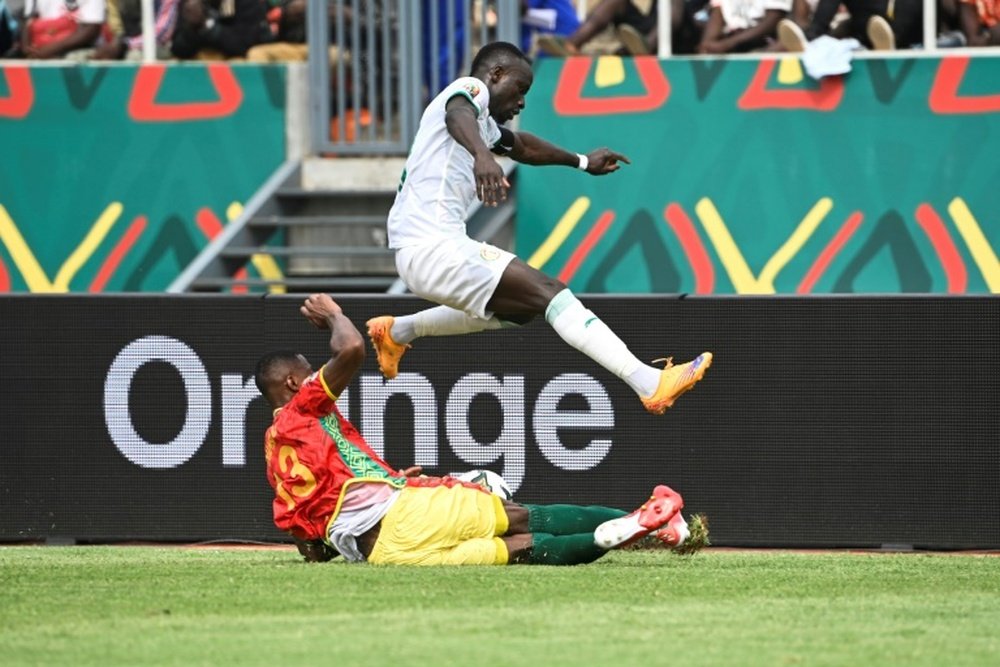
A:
(654, 514)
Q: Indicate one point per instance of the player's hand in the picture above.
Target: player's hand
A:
(604, 161)
(412, 471)
(315, 551)
(491, 184)
(319, 308)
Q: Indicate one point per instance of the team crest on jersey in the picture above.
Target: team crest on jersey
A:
(472, 89)
(488, 252)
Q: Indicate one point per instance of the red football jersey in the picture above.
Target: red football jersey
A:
(312, 452)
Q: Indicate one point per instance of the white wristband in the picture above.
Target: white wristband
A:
(584, 162)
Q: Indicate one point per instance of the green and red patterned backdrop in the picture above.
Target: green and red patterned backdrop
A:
(113, 178)
(748, 177)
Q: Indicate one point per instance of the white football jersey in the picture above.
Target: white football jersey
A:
(438, 187)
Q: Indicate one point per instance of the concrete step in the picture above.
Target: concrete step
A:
(361, 252)
(318, 220)
(288, 192)
(302, 284)
(302, 203)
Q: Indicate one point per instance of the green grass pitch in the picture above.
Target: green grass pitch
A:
(206, 606)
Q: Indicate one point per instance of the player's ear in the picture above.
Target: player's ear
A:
(292, 383)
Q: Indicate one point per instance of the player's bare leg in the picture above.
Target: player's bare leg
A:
(524, 290)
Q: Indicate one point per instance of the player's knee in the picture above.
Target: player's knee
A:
(544, 291)
(552, 286)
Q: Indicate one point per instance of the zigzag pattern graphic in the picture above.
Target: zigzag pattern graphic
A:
(93, 241)
(731, 260)
(108, 225)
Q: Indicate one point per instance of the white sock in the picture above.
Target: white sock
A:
(438, 321)
(578, 326)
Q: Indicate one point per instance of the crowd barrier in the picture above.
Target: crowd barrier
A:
(824, 422)
(747, 176)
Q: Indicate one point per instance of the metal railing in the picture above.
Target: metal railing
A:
(373, 64)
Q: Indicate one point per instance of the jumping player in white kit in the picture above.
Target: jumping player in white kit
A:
(480, 286)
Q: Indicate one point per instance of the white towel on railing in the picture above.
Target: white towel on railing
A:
(828, 56)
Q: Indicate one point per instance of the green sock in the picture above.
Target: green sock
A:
(549, 549)
(568, 519)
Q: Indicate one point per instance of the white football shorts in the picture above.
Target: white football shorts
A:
(457, 272)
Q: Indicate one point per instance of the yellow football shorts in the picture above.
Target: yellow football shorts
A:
(442, 526)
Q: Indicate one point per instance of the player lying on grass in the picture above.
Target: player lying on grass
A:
(479, 286)
(335, 495)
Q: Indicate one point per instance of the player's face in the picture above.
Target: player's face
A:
(510, 86)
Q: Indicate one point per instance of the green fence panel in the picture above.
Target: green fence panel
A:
(114, 177)
(749, 177)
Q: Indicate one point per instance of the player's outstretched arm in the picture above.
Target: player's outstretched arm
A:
(347, 347)
(529, 149)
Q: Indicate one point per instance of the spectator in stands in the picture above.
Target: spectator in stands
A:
(739, 26)
(546, 17)
(882, 25)
(631, 17)
(287, 21)
(980, 20)
(67, 29)
(335, 495)
(216, 29)
(125, 26)
(8, 27)
(687, 22)
(950, 33)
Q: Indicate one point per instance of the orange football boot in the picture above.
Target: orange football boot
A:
(387, 351)
(675, 380)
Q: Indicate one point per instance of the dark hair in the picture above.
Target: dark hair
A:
(498, 53)
(271, 365)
